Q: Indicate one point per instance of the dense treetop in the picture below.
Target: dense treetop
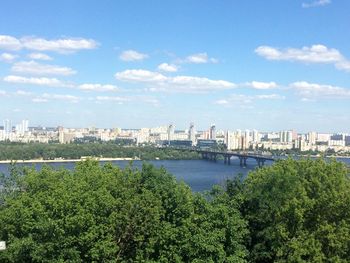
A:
(27, 151)
(292, 211)
(299, 211)
(105, 214)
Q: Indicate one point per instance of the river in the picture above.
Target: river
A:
(200, 175)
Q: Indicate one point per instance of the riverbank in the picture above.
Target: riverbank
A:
(60, 160)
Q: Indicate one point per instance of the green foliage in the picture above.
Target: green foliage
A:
(105, 214)
(298, 211)
(27, 151)
(293, 211)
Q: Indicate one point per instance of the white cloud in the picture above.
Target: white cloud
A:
(39, 100)
(270, 97)
(97, 87)
(120, 100)
(2, 92)
(36, 81)
(313, 91)
(160, 82)
(200, 58)
(65, 97)
(62, 45)
(222, 102)
(39, 56)
(140, 75)
(23, 93)
(261, 85)
(7, 57)
(32, 67)
(314, 54)
(167, 67)
(343, 65)
(112, 98)
(242, 100)
(9, 43)
(183, 83)
(316, 3)
(197, 58)
(46, 97)
(132, 55)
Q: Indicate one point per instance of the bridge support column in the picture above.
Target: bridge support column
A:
(261, 162)
(243, 161)
(227, 159)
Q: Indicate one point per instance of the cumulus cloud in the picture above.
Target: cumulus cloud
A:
(32, 67)
(39, 100)
(62, 45)
(120, 100)
(200, 58)
(65, 97)
(58, 45)
(314, 54)
(221, 102)
(9, 43)
(39, 56)
(314, 91)
(112, 98)
(36, 81)
(132, 55)
(2, 92)
(167, 67)
(261, 85)
(46, 97)
(316, 3)
(140, 75)
(160, 82)
(242, 99)
(23, 93)
(7, 57)
(270, 97)
(97, 87)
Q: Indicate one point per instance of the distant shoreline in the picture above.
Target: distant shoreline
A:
(102, 159)
(67, 160)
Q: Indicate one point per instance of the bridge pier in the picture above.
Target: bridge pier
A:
(243, 161)
(211, 155)
(227, 159)
(260, 161)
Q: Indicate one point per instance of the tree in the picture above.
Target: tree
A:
(105, 214)
(299, 211)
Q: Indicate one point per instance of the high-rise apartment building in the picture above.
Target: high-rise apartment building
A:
(212, 132)
(192, 134)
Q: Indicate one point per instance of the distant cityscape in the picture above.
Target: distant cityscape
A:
(168, 135)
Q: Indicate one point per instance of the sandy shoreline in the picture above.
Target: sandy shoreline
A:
(66, 160)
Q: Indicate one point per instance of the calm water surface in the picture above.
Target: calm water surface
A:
(200, 175)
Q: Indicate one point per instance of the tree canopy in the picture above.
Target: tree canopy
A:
(292, 211)
(298, 211)
(105, 214)
(27, 151)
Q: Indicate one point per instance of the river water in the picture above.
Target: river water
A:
(200, 175)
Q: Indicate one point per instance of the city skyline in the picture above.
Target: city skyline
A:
(166, 135)
(262, 65)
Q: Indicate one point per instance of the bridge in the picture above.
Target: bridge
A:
(209, 154)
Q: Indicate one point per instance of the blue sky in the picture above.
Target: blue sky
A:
(268, 65)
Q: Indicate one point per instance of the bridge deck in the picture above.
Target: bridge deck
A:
(243, 156)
